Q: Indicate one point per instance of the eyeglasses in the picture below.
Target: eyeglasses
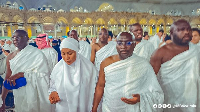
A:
(126, 43)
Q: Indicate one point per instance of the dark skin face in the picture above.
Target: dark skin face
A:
(123, 50)
(73, 34)
(182, 34)
(68, 55)
(103, 40)
(103, 36)
(138, 32)
(20, 40)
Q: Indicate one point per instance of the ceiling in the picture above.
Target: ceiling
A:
(160, 6)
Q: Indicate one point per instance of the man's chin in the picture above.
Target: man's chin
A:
(124, 56)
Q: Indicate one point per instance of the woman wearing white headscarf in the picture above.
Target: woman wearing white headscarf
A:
(73, 80)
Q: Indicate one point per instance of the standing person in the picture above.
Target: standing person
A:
(143, 48)
(12, 46)
(146, 36)
(195, 36)
(178, 67)
(56, 46)
(2, 67)
(6, 49)
(102, 49)
(2, 42)
(156, 39)
(110, 36)
(126, 81)
(30, 63)
(73, 80)
(51, 54)
(84, 47)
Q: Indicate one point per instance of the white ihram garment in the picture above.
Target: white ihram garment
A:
(75, 85)
(85, 49)
(52, 57)
(179, 79)
(34, 96)
(133, 75)
(144, 49)
(104, 52)
(155, 40)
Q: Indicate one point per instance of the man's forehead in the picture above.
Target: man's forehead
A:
(137, 27)
(18, 34)
(104, 30)
(125, 37)
(73, 32)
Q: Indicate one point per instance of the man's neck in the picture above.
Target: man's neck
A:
(102, 43)
(180, 46)
(19, 49)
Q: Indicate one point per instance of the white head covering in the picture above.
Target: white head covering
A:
(7, 47)
(70, 43)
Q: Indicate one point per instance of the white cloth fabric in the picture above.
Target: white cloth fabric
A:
(34, 96)
(155, 40)
(85, 49)
(104, 52)
(179, 79)
(164, 43)
(70, 43)
(198, 43)
(75, 85)
(133, 75)
(11, 47)
(7, 47)
(52, 57)
(144, 49)
(2, 65)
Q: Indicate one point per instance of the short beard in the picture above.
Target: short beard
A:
(138, 39)
(178, 41)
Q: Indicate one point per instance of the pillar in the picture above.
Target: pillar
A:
(55, 32)
(2, 30)
(67, 29)
(9, 31)
(28, 29)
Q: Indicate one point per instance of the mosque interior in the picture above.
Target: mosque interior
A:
(57, 17)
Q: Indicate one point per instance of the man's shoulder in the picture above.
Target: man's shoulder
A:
(95, 45)
(109, 60)
(163, 51)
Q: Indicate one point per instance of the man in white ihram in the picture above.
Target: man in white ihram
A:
(126, 81)
(178, 67)
(30, 63)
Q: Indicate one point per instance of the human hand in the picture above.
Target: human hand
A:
(134, 100)
(12, 78)
(54, 98)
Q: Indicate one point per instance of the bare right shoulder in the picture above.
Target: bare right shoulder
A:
(158, 56)
(96, 46)
(11, 55)
(110, 60)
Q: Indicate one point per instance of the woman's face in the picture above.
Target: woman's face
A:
(68, 55)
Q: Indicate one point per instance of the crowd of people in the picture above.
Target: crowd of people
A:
(131, 72)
